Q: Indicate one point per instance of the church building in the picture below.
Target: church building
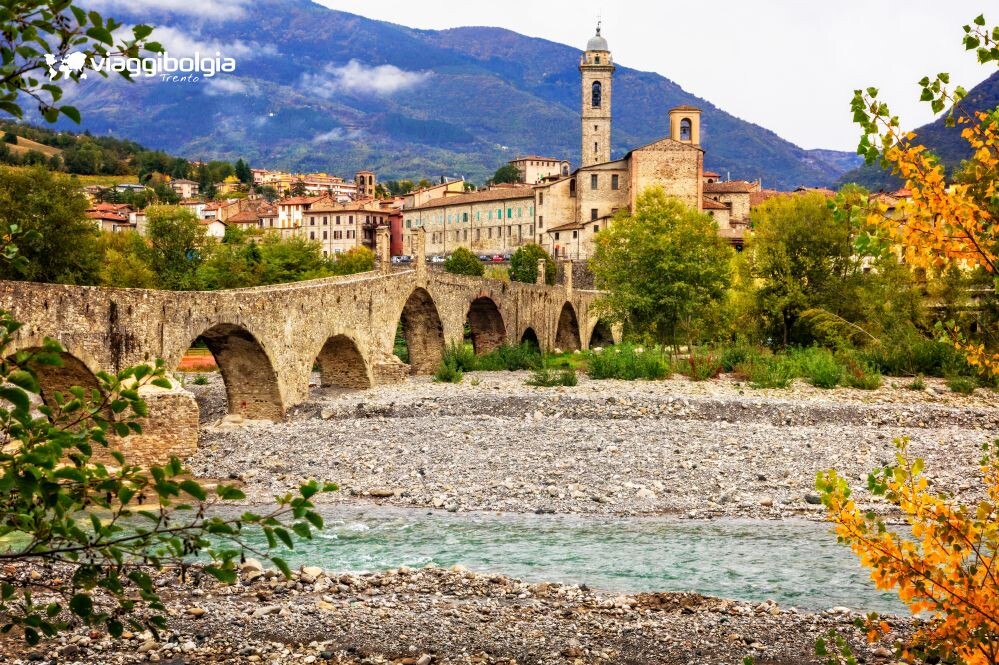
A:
(565, 211)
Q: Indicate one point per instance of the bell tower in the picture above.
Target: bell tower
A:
(597, 69)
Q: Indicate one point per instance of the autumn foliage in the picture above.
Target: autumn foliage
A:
(944, 567)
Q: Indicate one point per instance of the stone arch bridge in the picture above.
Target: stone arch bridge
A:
(267, 340)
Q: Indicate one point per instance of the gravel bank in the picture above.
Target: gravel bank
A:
(431, 615)
(605, 447)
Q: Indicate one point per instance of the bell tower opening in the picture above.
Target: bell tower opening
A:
(597, 70)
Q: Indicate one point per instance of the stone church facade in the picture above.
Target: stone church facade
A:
(565, 212)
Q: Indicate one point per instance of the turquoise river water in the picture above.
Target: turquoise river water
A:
(794, 562)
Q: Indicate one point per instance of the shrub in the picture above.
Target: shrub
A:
(629, 363)
(768, 372)
(859, 374)
(964, 385)
(448, 372)
(818, 366)
(548, 377)
(732, 357)
(917, 383)
(524, 264)
(509, 357)
(910, 353)
(201, 380)
(463, 262)
(461, 356)
(699, 366)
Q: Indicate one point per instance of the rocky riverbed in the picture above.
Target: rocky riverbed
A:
(715, 448)
(434, 616)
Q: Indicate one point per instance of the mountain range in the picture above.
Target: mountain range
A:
(943, 141)
(317, 89)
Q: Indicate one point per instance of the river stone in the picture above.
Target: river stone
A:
(381, 492)
(424, 659)
(312, 571)
(813, 499)
(252, 564)
(767, 501)
(196, 612)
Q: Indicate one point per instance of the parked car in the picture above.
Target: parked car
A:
(402, 258)
(485, 257)
(507, 256)
(437, 259)
(497, 258)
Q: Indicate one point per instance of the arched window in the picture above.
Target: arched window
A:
(597, 94)
(685, 129)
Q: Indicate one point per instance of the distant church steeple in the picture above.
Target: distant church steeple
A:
(597, 69)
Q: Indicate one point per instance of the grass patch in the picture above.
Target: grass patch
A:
(699, 365)
(917, 383)
(861, 375)
(818, 366)
(201, 380)
(767, 372)
(548, 377)
(629, 363)
(964, 385)
(451, 370)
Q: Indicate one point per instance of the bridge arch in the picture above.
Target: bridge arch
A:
(251, 383)
(567, 331)
(486, 324)
(423, 331)
(73, 371)
(530, 337)
(341, 364)
(601, 335)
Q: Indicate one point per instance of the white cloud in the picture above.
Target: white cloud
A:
(212, 9)
(338, 134)
(224, 86)
(179, 43)
(356, 77)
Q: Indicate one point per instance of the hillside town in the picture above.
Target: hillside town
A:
(558, 208)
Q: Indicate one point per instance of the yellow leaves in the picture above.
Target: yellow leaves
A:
(944, 566)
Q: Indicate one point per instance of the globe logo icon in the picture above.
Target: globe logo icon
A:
(71, 63)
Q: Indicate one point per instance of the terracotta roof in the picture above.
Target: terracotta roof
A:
(709, 204)
(300, 200)
(206, 222)
(189, 202)
(244, 217)
(495, 194)
(105, 215)
(756, 198)
(730, 187)
(710, 174)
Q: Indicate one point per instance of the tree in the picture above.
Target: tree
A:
(662, 265)
(59, 242)
(37, 38)
(291, 260)
(353, 261)
(176, 241)
(797, 251)
(231, 264)
(83, 525)
(463, 262)
(524, 264)
(507, 173)
(243, 173)
(946, 567)
(126, 262)
(298, 188)
(268, 192)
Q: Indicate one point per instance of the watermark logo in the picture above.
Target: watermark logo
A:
(187, 69)
(73, 62)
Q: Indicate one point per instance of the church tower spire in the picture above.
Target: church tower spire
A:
(597, 69)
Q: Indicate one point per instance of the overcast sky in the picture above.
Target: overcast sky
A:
(788, 65)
